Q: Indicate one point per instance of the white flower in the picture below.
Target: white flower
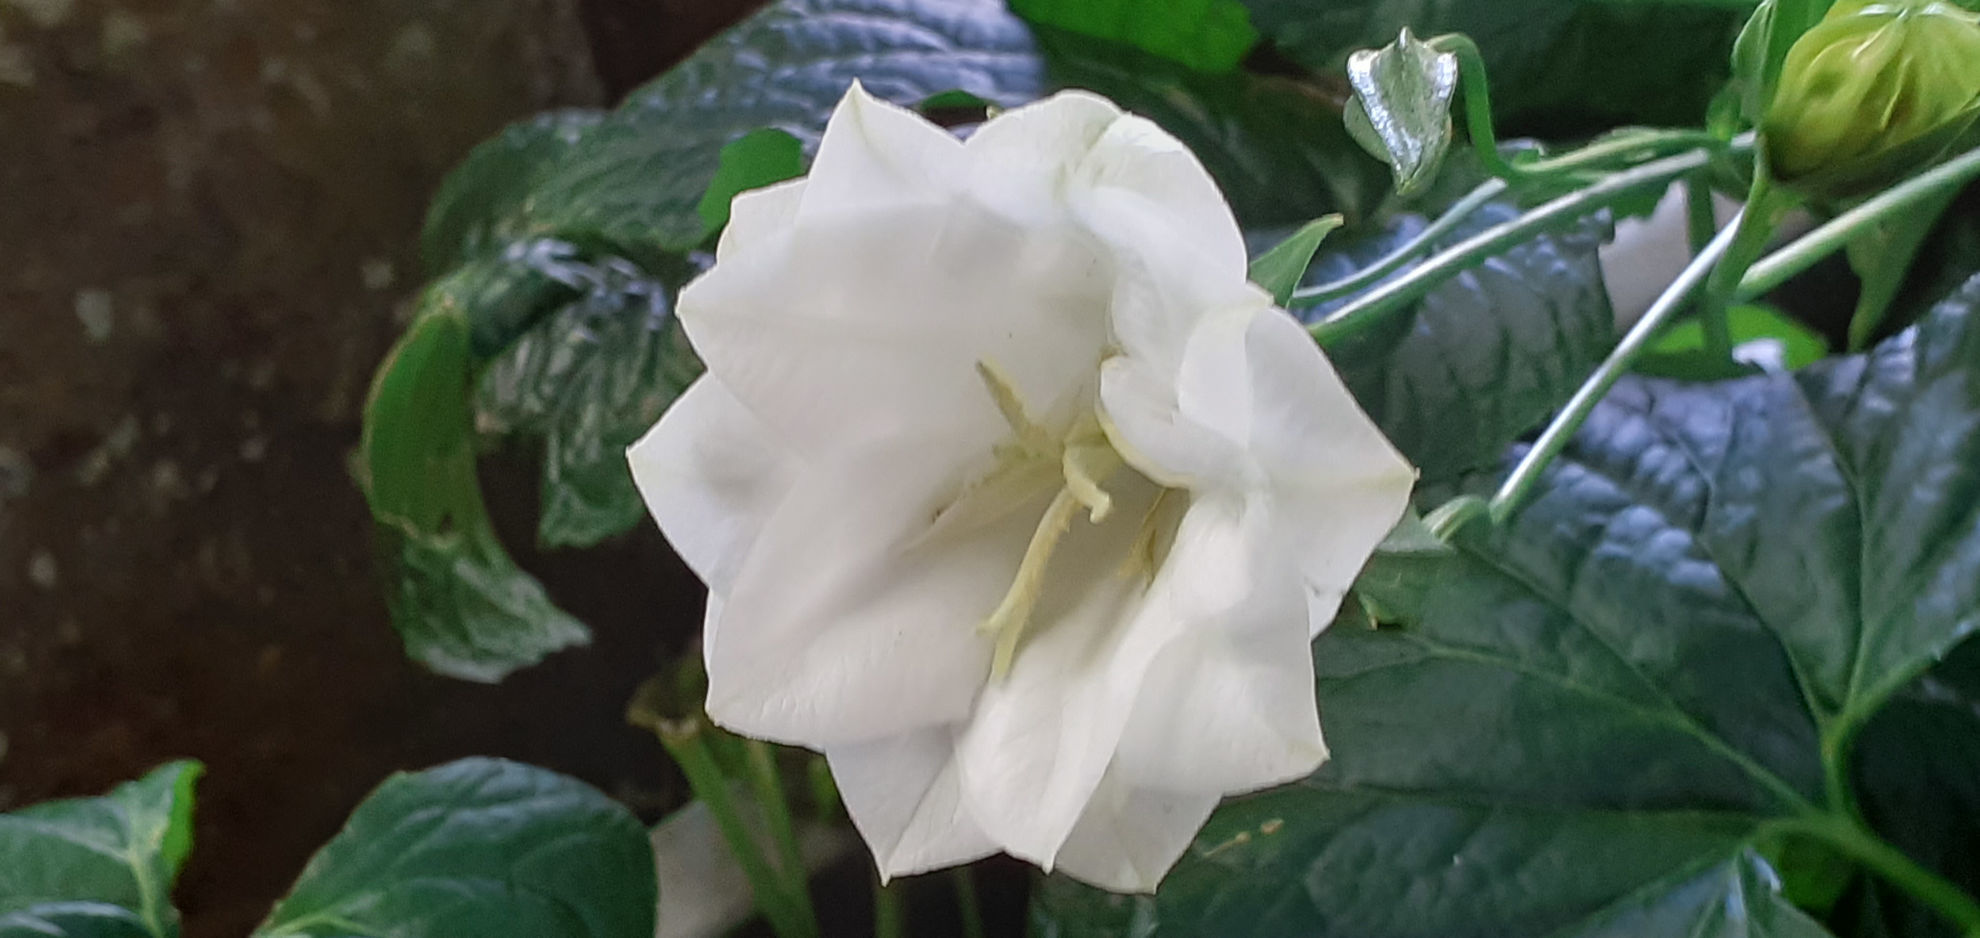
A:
(1012, 496)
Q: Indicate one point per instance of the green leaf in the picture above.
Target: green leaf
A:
(480, 848)
(1487, 356)
(1401, 112)
(1280, 269)
(1558, 68)
(635, 182)
(99, 867)
(1206, 35)
(460, 604)
(465, 610)
(1605, 710)
(1764, 339)
(590, 379)
(751, 161)
(416, 454)
(483, 204)
(1917, 774)
(1882, 257)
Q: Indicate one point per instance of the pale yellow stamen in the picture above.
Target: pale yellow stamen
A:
(1085, 461)
(1032, 439)
(1008, 622)
(1085, 466)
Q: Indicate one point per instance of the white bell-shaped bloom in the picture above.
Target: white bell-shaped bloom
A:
(1012, 495)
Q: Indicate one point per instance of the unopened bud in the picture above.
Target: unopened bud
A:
(1872, 92)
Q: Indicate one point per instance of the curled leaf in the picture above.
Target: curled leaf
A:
(1401, 110)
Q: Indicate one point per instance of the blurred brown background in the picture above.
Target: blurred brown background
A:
(208, 211)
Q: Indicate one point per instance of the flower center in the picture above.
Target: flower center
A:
(1084, 460)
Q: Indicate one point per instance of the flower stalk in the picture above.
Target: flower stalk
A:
(1372, 308)
(1833, 235)
(1552, 441)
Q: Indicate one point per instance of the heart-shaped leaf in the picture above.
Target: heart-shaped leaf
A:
(1610, 715)
(480, 848)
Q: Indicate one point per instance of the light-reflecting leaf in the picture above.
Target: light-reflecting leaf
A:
(637, 179)
(483, 204)
(480, 848)
(1485, 357)
(99, 867)
(1557, 67)
(1401, 110)
(460, 604)
(588, 380)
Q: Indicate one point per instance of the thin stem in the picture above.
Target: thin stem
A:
(1700, 221)
(1645, 143)
(1764, 207)
(1477, 102)
(763, 777)
(689, 747)
(1474, 200)
(1782, 265)
(1556, 436)
(1477, 91)
(967, 904)
(1864, 846)
(889, 912)
(1372, 307)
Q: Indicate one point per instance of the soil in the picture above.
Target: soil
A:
(208, 211)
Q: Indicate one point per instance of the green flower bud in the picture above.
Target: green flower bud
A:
(1871, 92)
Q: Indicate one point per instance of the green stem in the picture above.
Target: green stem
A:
(1700, 221)
(1623, 146)
(1862, 845)
(968, 906)
(1764, 207)
(1473, 201)
(1837, 739)
(1477, 91)
(689, 747)
(1477, 102)
(1371, 308)
(889, 912)
(1783, 264)
(769, 788)
(1555, 438)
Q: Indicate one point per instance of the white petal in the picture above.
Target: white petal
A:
(1339, 484)
(904, 796)
(1303, 424)
(875, 155)
(841, 626)
(711, 474)
(1229, 706)
(1138, 408)
(1042, 737)
(1022, 159)
(759, 215)
(1129, 837)
(847, 331)
(1176, 245)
